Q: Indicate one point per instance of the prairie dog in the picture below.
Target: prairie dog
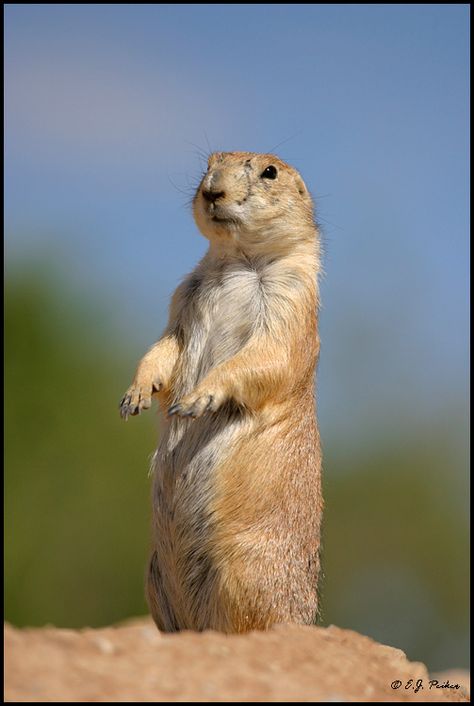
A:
(236, 492)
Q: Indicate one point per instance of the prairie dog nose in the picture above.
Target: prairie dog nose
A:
(211, 195)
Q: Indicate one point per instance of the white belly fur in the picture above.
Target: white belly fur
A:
(218, 319)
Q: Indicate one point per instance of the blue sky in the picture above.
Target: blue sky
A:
(104, 107)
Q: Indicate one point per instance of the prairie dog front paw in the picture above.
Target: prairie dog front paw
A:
(138, 396)
(195, 405)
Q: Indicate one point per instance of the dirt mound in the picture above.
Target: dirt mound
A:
(134, 662)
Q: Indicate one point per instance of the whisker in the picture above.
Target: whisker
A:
(186, 192)
(283, 142)
(330, 223)
(201, 153)
(208, 143)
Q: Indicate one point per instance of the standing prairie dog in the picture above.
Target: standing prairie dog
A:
(237, 498)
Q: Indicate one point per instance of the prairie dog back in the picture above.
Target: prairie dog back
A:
(237, 474)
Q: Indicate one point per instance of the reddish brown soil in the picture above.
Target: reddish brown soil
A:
(134, 662)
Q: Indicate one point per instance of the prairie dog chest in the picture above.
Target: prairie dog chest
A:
(224, 307)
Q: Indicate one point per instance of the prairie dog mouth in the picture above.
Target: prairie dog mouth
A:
(218, 214)
(223, 219)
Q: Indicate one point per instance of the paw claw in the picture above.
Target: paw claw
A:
(138, 398)
(194, 408)
(174, 409)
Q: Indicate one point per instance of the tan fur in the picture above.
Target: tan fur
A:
(237, 498)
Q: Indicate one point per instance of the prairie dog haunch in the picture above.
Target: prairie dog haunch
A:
(237, 500)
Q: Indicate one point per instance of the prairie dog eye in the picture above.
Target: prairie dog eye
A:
(269, 173)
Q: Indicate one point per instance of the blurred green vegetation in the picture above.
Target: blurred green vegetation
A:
(395, 552)
(76, 485)
(396, 547)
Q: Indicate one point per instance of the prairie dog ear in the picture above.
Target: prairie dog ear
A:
(301, 186)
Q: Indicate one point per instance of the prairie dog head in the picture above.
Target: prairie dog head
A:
(254, 202)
